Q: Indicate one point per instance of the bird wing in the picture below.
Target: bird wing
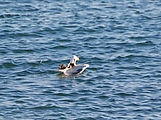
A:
(76, 69)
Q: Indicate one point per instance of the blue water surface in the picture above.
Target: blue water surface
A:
(119, 39)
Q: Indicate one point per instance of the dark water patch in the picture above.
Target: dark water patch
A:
(61, 47)
(138, 37)
(5, 2)
(23, 73)
(104, 97)
(27, 82)
(132, 45)
(47, 30)
(16, 35)
(64, 40)
(108, 37)
(62, 94)
(34, 63)
(97, 58)
(125, 94)
(119, 28)
(89, 38)
(111, 7)
(92, 109)
(131, 68)
(9, 15)
(16, 91)
(146, 43)
(133, 51)
(133, 58)
(69, 100)
(26, 8)
(46, 107)
(70, 26)
(19, 96)
(48, 91)
(59, 29)
(57, 10)
(35, 70)
(86, 92)
(82, 30)
(26, 35)
(156, 76)
(8, 65)
(23, 51)
(0, 68)
(145, 17)
(20, 102)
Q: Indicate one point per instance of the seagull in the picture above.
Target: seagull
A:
(72, 68)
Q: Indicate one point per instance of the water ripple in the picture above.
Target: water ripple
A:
(122, 48)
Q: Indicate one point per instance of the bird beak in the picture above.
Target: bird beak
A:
(78, 59)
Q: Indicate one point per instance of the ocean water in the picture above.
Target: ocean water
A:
(119, 39)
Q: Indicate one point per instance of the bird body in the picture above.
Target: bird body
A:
(75, 69)
(72, 68)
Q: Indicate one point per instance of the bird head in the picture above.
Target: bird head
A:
(74, 59)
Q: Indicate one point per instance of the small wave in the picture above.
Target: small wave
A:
(9, 15)
(22, 73)
(26, 8)
(8, 65)
(49, 30)
(23, 51)
(19, 34)
(131, 56)
(125, 94)
(37, 63)
(133, 44)
(46, 107)
(27, 34)
(82, 30)
(60, 47)
(145, 43)
(63, 94)
(103, 97)
(130, 68)
(4, 2)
